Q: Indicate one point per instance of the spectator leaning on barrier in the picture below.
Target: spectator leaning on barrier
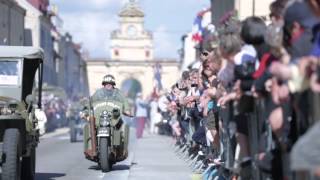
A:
(182, 114)
(191, 100)
(305, 153)
(263, 78)
(173, 109)
(209, 96)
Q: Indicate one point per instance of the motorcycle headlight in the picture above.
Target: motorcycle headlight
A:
(104, 114)
(105, 119)
(104, 122)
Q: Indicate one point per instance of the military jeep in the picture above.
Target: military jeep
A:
(21, 71)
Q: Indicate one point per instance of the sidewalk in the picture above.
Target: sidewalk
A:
(155, 160)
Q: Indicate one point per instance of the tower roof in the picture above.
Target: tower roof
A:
(131, 9)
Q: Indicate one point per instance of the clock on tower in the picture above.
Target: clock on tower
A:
(132, 31)
(131, 42)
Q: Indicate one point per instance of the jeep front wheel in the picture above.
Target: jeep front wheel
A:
(11, 154)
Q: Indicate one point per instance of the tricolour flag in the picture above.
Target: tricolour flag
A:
(202, 20)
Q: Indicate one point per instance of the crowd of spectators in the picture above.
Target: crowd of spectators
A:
(55, 110)
(252, 106)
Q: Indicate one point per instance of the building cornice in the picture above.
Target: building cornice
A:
(110, 63)
(131, 47)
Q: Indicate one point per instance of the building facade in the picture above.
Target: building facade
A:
(38, 29)
(131, 41)
(141, 72)
(11, 23)
(63, 64)
(189, 52)
(243, 8)
(47, 44)
(70, 68)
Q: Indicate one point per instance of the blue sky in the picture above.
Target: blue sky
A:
(91, 21)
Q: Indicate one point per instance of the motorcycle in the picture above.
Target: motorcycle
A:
(106, 135)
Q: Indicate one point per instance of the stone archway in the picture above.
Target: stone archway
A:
(125, 72)
(131, 87)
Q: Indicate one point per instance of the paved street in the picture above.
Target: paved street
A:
(155, 160)
(150, 158)
(59, 159)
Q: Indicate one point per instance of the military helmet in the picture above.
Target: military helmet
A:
(108, 79)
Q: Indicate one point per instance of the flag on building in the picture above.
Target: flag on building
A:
(157, 76)
(202, 21)
(157, 84)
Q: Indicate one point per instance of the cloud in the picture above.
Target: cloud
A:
(90, 23)
(163, 44)
(99, 3)
(92, 29)
(87, 5)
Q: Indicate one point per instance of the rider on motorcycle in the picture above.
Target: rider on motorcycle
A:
(106, 135)
(110, 92)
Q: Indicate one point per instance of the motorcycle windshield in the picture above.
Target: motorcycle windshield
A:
(100, 106)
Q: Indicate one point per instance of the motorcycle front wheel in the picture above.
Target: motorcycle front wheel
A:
(104, 155)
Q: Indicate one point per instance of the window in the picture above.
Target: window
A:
(116, 52)
(9, 72)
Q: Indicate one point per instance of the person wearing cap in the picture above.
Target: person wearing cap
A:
(110, 92)
(304, 156)
(298, 23)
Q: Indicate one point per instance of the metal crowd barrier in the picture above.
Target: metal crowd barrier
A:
(259, 131)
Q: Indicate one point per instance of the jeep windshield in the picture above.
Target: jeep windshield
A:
(10, 72)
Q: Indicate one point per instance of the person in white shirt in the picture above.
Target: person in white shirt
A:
(141, 115)
(155, 116)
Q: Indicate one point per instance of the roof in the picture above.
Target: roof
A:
(31, 10)
(21, 52)
(131, 10)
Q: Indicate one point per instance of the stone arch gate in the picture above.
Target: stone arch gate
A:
(141, 71)
(131, 87)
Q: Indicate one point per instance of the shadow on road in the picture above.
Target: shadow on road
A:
(77, 141)
(120, 167)
(95, 167)
(48, 176)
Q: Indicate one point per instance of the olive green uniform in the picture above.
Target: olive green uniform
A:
(114, 95)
